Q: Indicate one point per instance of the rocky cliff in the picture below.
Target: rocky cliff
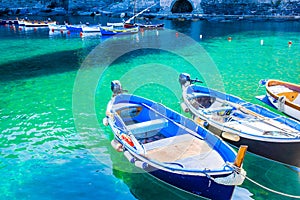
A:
(211, 7)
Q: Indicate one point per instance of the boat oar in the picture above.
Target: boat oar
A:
(268, 121)
(240, 156)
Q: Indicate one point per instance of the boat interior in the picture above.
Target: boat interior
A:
(281, 90)
(165, 142)
(239, 117)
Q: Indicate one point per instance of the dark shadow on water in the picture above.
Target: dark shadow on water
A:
(43, 65)
(220, 29)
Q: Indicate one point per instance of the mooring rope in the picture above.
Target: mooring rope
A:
(262, 186)
(271, 190)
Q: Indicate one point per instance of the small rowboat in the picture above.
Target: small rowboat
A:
(91, 29)
(56, 27)
(266, 133)
(144, 26)
(110, 30)
(36, 23)
(74, 28)
(284, 96)
(171, 147)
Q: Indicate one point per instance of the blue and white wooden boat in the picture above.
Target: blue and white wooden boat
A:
(91, 29)
(266, 133)
(57, 27)
(171, 147)
(74, 28)
(282, 95)
(111, 30)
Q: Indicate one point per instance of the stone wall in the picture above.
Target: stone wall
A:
(218, 7)
(250, 7)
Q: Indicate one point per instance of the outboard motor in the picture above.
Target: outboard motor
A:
(184, 79)
(116, 87)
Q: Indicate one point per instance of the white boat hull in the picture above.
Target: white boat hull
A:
(284, 97)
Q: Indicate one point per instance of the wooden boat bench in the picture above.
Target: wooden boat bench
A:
(140, 130)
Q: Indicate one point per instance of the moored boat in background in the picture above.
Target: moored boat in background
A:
(282, 95)
(266, 133)
(110, 30)
(171, 147)
(36, 23)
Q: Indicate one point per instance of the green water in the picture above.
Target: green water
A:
(54, 89)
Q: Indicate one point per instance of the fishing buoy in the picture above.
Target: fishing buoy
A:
(69, 32)
(184, 107)
(261, 42)
(20, 28)
(176, 34)
(201, 37)
(34, 29)
(116, 145)
(61, 31)
(53, 30)
(290, 43)
(129, 157)
(105, 121)
(229, 39)
(230, 136)
(142, 30)
(141, 164)
(81, 34)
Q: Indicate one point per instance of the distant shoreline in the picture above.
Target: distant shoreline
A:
(169, 16)
(222, 18)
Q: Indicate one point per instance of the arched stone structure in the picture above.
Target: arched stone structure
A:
(181, 6)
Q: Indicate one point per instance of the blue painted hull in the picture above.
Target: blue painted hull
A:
(74, 28)
(198, 185)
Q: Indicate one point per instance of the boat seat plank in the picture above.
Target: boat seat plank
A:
(291, 96)
(147, 126)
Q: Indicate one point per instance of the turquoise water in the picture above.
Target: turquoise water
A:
(54, 89)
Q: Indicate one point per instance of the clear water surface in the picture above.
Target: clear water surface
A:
(50, 149)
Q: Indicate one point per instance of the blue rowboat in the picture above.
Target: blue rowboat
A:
(74, 28)
(171, 147)
(266, 133)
